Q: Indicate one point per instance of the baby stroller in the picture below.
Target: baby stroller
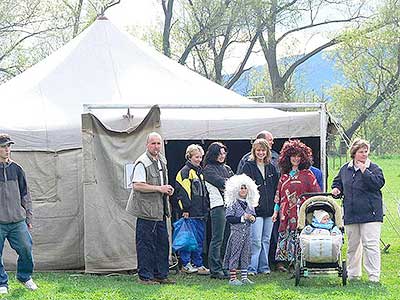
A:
(319, 254)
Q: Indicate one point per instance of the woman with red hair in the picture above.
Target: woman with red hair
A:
(296, 179)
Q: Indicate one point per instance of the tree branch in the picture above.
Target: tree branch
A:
(315, 25)
(306, 57)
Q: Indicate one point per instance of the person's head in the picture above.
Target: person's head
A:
(267, 136)
(260, 151)
(5, 147)
(359, 150)
(216, 154)
(154, 144)
(322, 216)
(243, 191)
(243, 187)
(194, 154)
(294, 155)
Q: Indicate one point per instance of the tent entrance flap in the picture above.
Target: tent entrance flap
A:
(109, 239)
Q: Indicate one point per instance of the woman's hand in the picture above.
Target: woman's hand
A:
(336, 192)
(275, 216)
(361, 165)
(185, 215)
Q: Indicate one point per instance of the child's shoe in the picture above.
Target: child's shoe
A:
(235, 282)
(247, 281)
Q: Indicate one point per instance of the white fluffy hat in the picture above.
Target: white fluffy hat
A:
(232, 188)
(319, 214)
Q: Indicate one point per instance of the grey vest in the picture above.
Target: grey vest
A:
(150, 205)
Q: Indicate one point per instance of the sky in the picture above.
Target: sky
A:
(142, 14)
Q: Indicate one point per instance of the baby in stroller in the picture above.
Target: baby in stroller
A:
(322, 224)
(321, 240)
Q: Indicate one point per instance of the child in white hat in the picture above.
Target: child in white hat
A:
(322, 224)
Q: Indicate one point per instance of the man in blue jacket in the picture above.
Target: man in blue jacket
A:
(15, 217)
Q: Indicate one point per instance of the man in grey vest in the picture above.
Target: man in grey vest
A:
(149, 203)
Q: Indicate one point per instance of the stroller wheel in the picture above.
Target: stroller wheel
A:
(297, 273)
(344, 273)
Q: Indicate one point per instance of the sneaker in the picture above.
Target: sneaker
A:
(203, 271)
(147, 282)
(235, 282)
(3, 290)
(164, 281)
(247, 281)
(251, 273)
(189, 269)
(266, 272)
(30, 285)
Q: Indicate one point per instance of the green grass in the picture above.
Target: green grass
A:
(277, 286)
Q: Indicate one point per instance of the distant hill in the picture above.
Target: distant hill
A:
(316, 74)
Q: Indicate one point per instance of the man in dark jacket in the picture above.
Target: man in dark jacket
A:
(15, 217)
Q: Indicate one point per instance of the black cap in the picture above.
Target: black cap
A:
(5, 140)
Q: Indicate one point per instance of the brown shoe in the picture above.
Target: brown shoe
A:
(280, 267)
(164, 281)
(148, 282)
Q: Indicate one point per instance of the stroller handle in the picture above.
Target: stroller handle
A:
(320, 194)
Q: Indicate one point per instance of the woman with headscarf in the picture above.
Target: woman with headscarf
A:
(296, 179)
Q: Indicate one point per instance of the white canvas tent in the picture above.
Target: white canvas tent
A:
(106, 66)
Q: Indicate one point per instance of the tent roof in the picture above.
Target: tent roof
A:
(104, 65)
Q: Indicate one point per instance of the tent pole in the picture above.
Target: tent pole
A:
(323, 129)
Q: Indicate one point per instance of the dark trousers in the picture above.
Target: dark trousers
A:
(219, 236)
(152, 248)
(273, 243)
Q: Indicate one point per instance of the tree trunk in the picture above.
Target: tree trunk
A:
(168, 11)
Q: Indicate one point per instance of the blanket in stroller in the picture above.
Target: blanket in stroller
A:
(320, 245)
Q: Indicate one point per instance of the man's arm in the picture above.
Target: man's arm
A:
(148, 188)
(26, 200)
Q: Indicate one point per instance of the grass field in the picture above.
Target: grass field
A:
(276, 286)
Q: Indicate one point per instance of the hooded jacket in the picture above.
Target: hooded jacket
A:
(15, 199)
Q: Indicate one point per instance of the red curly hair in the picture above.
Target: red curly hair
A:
(293, 148)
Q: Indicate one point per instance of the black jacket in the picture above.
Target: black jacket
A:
(217, 174)
(362, 193)
(191, 191)
(266, 186)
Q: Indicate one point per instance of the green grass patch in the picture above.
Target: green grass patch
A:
(276, 286)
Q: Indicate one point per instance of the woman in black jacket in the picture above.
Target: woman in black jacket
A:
(259, 168)
(216, 172)
(360, 181)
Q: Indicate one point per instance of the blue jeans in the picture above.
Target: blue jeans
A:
(152, 249)
(260, 240)
(20, 240)
(195, 255)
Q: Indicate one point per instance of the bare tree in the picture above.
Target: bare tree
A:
(282, 19)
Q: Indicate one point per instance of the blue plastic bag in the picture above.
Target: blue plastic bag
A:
(184, 238)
